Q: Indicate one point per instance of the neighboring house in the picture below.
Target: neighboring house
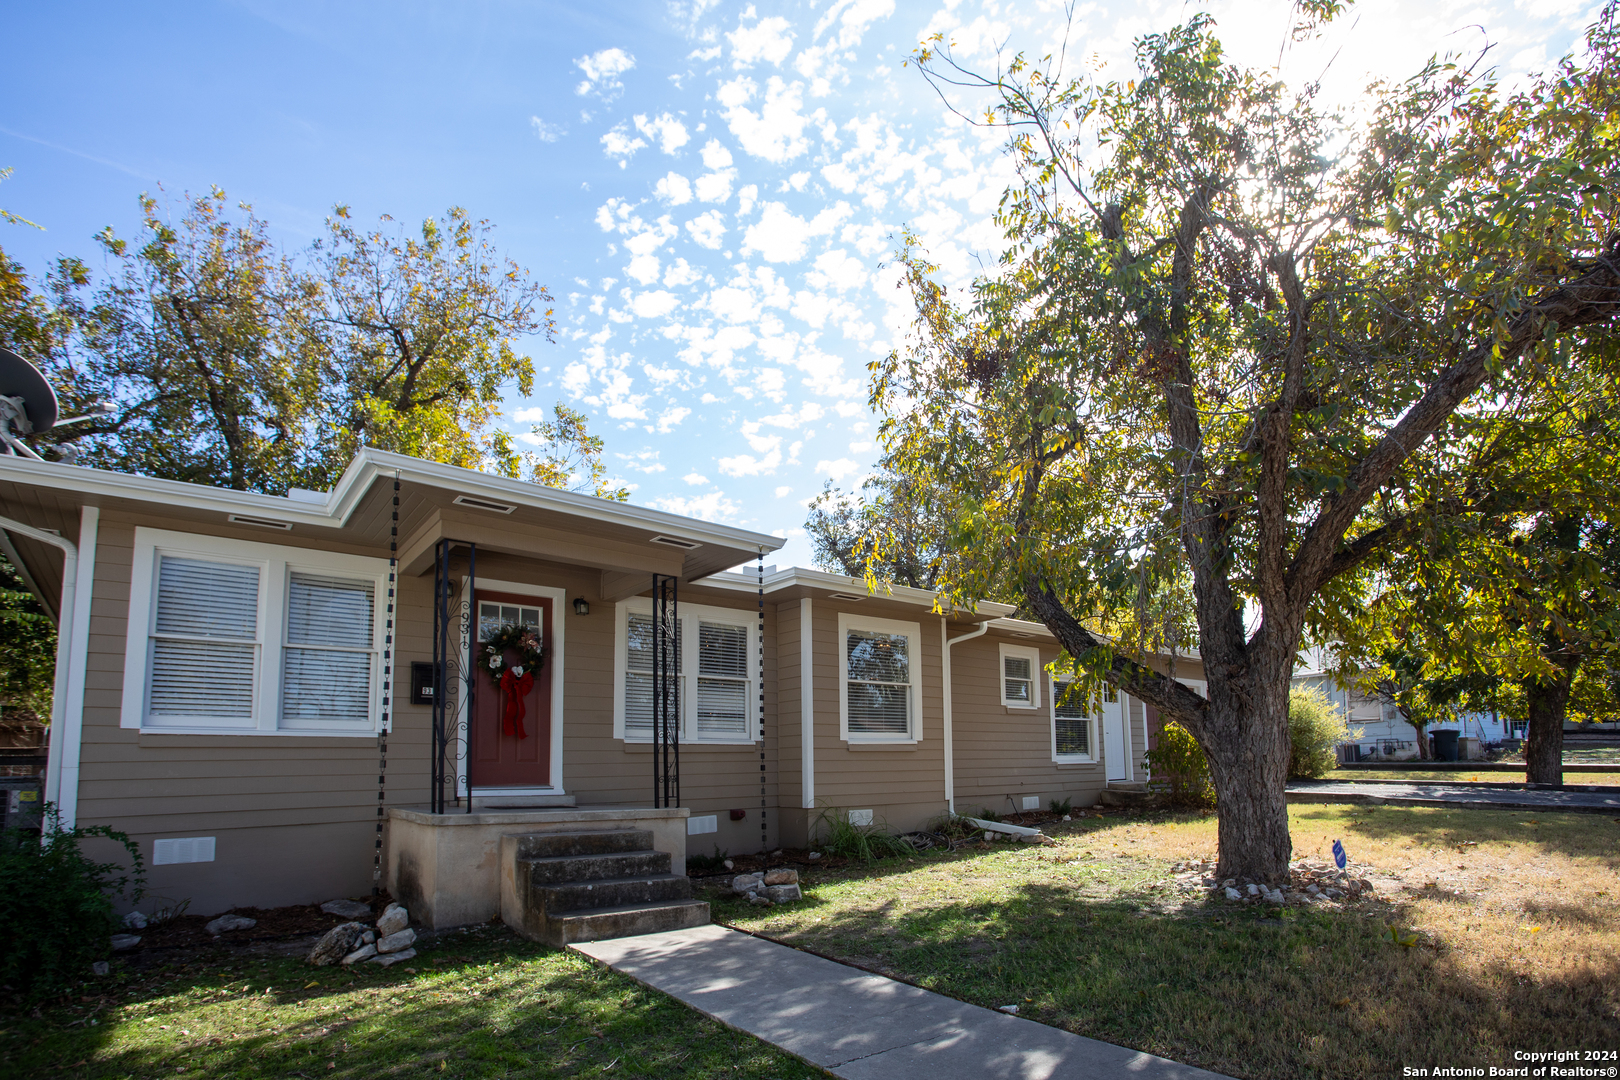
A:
(221, 683)
(1383, 731)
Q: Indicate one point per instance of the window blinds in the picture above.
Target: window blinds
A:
(326, 664)
(1018, 680)
(638, 680)
(722, 690)
(204, 642)
(1071, 721)
(879, 682)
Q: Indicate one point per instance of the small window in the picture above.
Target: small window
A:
(878, 691)
(1073, 723)
(1020, 677)
(722, 685)
(326, 663)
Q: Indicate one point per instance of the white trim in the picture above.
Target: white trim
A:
(913, 633)
(691, 615)
(807, 705)
(947, 722)
(1091, 728)
(276, 562)
(64, 651)
(1026, 652)
(556, 652)
(799, 577)
(67, 795)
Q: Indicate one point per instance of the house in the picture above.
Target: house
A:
(284, 700)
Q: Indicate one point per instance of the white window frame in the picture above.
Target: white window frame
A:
(1092, 728)
(276, 563)
(1033, 655)
(913, 634)
(689, 615)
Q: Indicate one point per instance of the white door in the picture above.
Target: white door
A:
(1116, 737)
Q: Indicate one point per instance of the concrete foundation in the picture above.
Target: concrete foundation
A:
(446, 868)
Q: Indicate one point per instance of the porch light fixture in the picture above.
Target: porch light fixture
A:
(580, 606)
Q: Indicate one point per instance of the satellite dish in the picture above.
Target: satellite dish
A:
(20, 379)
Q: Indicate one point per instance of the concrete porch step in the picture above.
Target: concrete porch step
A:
(627, 920)
(1116, 794)
(559, 869)
(610, 892)
(552, 845)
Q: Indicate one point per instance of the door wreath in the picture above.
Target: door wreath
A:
(515, 680)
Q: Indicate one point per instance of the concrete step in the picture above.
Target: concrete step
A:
(628, 920)
(560, 869)
(610, 892)
(1112, 796)
(547, 845)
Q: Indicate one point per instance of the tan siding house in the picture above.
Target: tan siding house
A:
(223, 655)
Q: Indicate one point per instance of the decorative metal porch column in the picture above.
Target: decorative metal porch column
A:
(452, 623)
(666, 691)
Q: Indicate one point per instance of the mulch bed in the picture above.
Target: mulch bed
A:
(275, 924)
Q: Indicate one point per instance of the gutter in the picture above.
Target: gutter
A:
(72, 635)
(945, 644)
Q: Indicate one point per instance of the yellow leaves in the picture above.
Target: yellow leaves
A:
(1405, 939)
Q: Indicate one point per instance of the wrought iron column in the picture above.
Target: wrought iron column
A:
(666, 693)
(449, 669)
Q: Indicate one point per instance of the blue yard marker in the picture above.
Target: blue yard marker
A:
(1338, 854)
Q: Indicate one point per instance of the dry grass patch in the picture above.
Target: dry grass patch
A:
(1421, 776)
(1516, 940)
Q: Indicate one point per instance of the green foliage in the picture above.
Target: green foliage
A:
(1180, 768)
(707, 864)
(987, 814)
(27, 651)
(56, 905)
(572, 457)
(837, 836)
(1060, 807)
(891, 531)
(1315, 727)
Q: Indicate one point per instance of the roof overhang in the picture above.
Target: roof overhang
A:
(822, 585)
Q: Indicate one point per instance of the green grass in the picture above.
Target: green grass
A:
(482, 1003)
(1418, 776)
(1090, 936)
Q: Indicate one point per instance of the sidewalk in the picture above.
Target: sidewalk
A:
(1442, 793)
(858, 1025)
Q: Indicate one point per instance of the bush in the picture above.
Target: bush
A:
(1180, 769)
(1060, 807)
(1315, 728)
(56, 906)
(864, 842)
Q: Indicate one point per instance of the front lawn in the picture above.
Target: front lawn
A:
(1516, 943)
(1419, 776)
(481, 1003)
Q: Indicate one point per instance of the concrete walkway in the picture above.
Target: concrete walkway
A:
(859, 1025)
(1417, 793)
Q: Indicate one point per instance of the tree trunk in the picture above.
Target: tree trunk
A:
(1548, 703)
(1424, 753)
(1247, 746)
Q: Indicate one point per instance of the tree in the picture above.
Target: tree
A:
(1215, 343)
(892, 528)
(27, 652)
(572, 457)
(418, 337)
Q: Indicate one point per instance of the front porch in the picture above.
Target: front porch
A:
(447, 868)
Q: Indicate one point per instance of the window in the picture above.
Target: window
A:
(1074, 723)
(878, 689)
(1020, 682)
(234, 636)
(716, 670)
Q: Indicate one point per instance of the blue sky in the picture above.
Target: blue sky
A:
(711, 191)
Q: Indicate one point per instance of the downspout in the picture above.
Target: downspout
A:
(945, 644)
(67, 607)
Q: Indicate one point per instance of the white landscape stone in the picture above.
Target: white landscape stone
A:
(347, 909)
(781, 877)
(1233, 894)
(743, 883)
(393, 920)
(226, 923)
(365, 952)
(404, 939)
(388, 959)
(782, 894)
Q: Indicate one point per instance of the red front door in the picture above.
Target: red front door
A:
(500, 758)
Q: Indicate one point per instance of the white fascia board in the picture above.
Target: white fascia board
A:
(368, 466)
(819, 579)
(1035, 629)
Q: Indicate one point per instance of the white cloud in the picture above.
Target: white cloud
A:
(769, 40)
(681, 273)
(531, 415)
(546, 132)
(776, 131)
(837, 270)
(644, 269)
(696, 479)
(807, 412)
(666, 130)
(671, 417)
(782, 236)
(836, 470)
(654, 305)
(602, 71)
(715, 155)
(746, 199)
(645, 461)
(854, 17)
(618, 144)
(711, 507)
(785, 489)
(716, 186)
(673, 189)
(708, 228)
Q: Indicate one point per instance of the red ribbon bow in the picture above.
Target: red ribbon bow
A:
(516, 688)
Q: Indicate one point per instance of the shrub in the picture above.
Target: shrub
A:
(1180, 769)
(1315, 727)
(1060, 807)
(56, 906)
(708, 864)
(864, 842)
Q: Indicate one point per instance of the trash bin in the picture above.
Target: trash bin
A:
(1445, 746)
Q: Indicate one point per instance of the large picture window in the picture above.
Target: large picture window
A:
(879, 680)
(230, 636)
(716, 676)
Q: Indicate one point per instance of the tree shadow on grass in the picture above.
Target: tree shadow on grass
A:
(512, 1008)
(1575, 835)
(1243, 991)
